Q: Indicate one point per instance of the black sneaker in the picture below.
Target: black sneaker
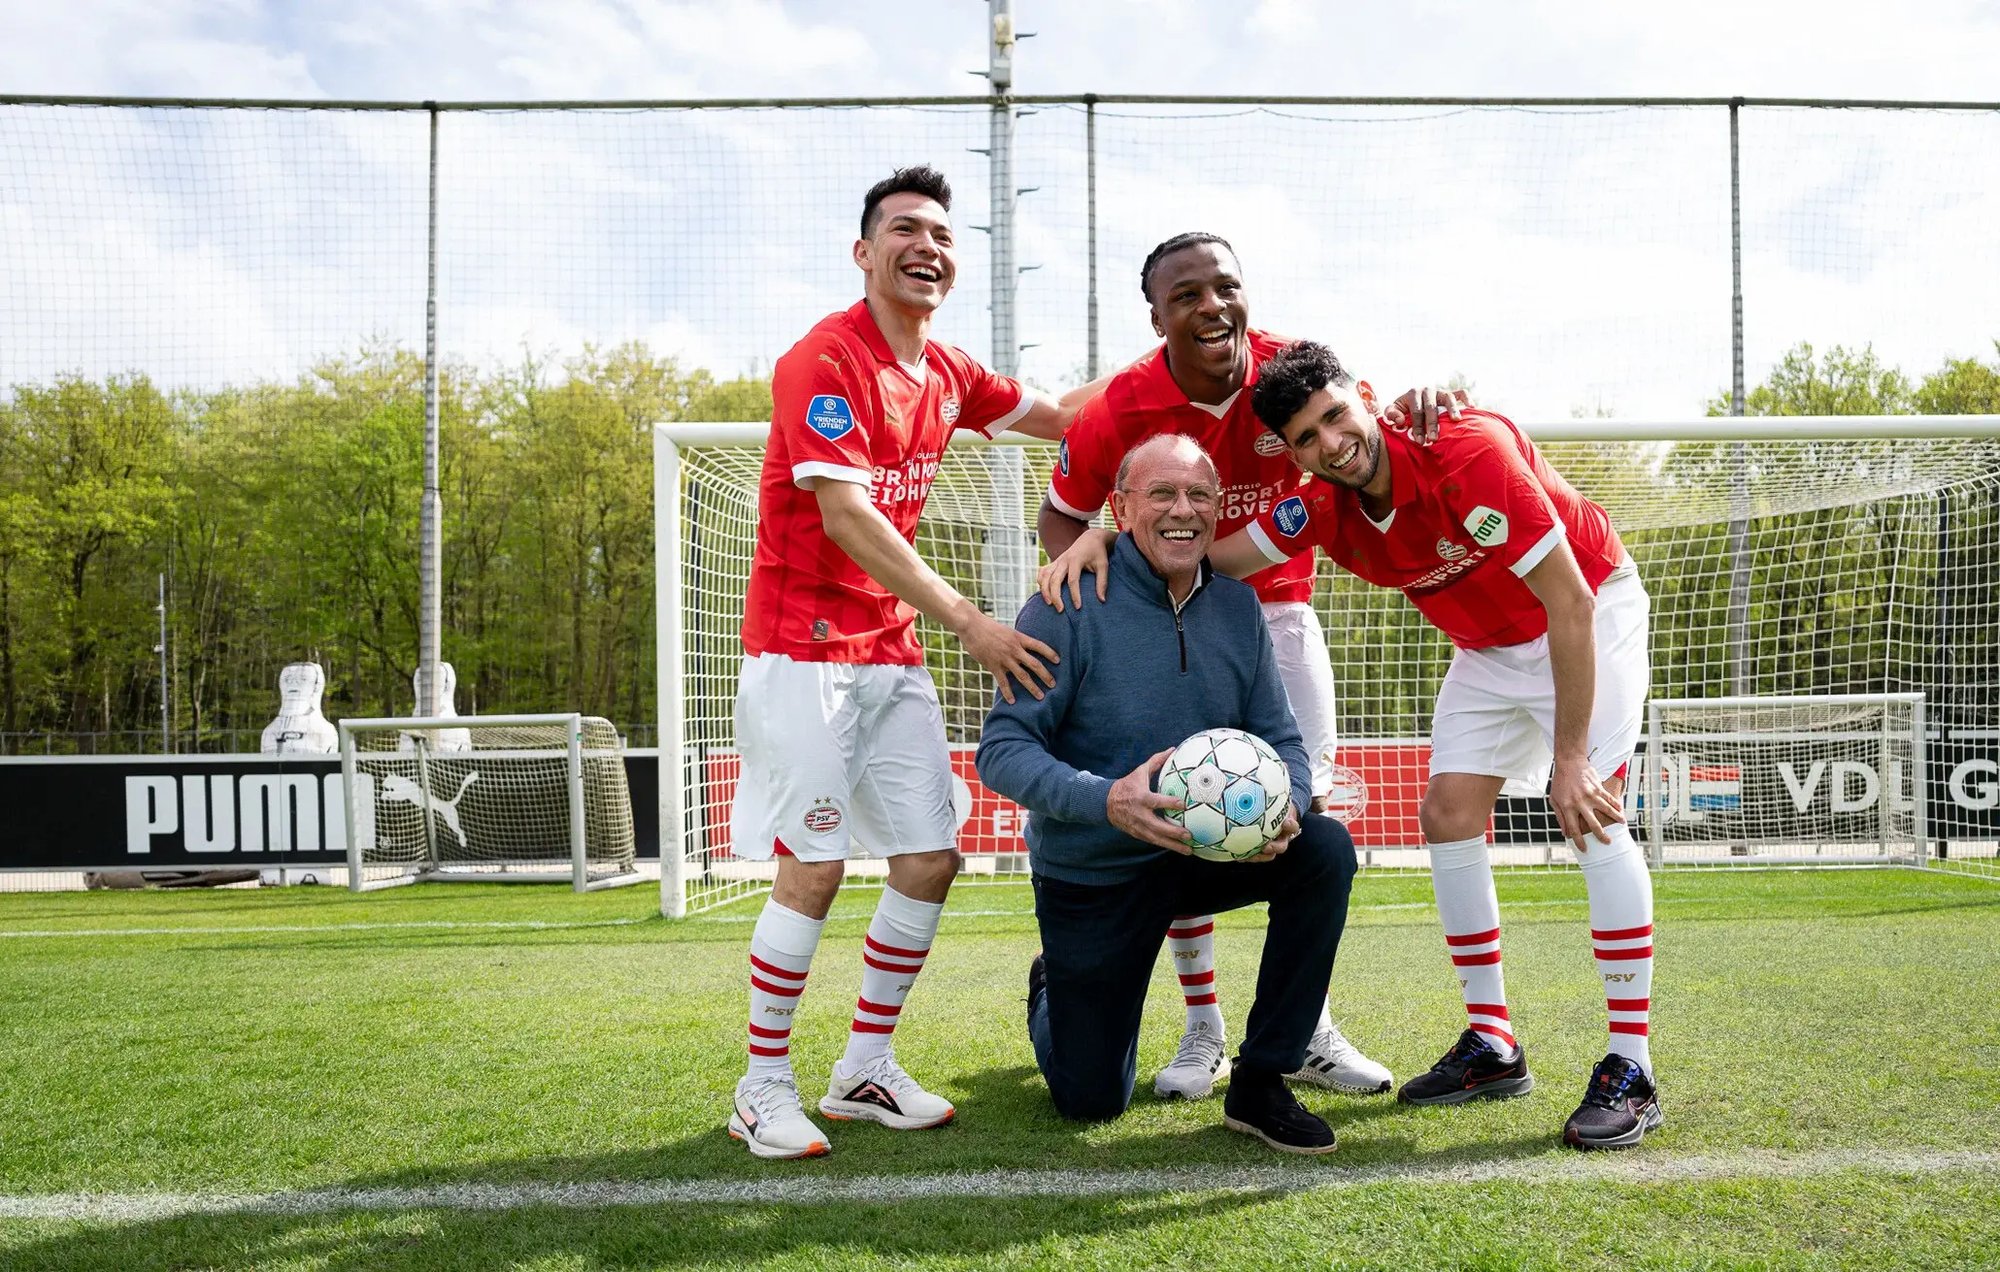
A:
(1260, 1104)
(1038, 982)
(1472, 1070)
(1618, 1108)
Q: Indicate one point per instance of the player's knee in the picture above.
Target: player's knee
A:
(1444, 817)
(808, 886)
(925, 875)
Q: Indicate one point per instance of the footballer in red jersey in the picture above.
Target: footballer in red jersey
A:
(837, 721)
(1198, 383)
(1531, 583)
(1529, 580)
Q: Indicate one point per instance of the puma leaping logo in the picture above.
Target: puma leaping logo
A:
(403, 789)
(830, 360)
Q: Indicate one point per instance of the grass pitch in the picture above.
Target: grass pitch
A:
(476, 1077)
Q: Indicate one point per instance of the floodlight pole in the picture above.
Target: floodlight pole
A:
(1009, 554)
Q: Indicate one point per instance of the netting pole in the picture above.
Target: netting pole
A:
(1090, 222)
(577, 854)
(670, 675)
(1920, 781)
(1738, 618)
(1007, 558)
(429, 552)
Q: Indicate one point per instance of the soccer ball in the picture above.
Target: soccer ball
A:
(1236, 789)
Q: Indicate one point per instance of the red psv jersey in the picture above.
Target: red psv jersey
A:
(1470, 515)
(1143, 401)
(844, 409)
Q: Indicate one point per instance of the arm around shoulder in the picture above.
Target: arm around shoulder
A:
(1016, 756)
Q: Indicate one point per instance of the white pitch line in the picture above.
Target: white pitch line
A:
(794, 1185)
(447, 924)
(550, 925)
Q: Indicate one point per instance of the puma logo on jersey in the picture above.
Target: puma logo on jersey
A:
(830, 360)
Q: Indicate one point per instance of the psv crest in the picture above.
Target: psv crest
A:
(1268, 444)
(1451, 551)
(822, 818)
(949, 410)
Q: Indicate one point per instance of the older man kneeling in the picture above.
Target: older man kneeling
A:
(1174, 650)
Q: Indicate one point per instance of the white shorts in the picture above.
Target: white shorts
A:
(1307, 672)
(837, 757)
(1496, 711)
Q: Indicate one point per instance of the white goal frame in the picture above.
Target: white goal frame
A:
(687, 885)
(577, 875)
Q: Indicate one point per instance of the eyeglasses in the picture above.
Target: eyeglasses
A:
(1201, 498)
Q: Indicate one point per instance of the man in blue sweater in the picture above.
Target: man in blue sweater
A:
(1174, 650)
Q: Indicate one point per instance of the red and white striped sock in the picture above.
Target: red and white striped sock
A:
(781, 952)
(1192, 940)
(899, 939)
(1621, 938)
(1462, 878)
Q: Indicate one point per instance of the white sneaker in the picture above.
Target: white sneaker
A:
(1337, 1064)
(771, 1121)
(878, 1090)
(1200, 1063)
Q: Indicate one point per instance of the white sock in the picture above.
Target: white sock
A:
(1621, 938)
(899, 939)
(1462, 878)
(781, 951)
(1325, 1017)
(1192, 940)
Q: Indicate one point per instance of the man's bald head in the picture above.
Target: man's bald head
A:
(1167, 494)
(1164, 447)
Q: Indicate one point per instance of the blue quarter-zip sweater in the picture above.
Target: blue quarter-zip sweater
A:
(1138, 675)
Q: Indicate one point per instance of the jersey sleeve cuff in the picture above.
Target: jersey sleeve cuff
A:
(1008, 420)
(1069, 509)
(1262, 538)
(832, 472)
(1537, 553)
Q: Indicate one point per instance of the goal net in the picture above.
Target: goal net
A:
(1803, 780)
(524, 798)
(1784, 557)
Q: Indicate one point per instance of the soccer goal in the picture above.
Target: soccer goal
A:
(1787, 558)
(498, 799)
(1811, 779)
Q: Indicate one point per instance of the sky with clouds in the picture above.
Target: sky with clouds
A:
(1562, 260)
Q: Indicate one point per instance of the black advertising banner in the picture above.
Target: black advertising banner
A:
(203, 812)
(1839, 790)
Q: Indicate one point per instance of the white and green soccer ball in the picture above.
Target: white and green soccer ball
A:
(1236, 789)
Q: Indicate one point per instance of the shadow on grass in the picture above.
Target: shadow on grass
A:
(911, 1229)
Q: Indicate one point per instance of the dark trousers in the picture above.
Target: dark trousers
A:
(1099, 944)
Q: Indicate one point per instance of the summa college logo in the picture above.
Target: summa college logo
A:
(949, 410)
(830, 417)
(1451, 551)
(1268, 444)
(822, 818)
(1487, 526)
(1290, 514)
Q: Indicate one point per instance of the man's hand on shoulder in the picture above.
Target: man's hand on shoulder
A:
(1006, 652)
(1134, 808)
(1423, 411)
(1286, 834)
